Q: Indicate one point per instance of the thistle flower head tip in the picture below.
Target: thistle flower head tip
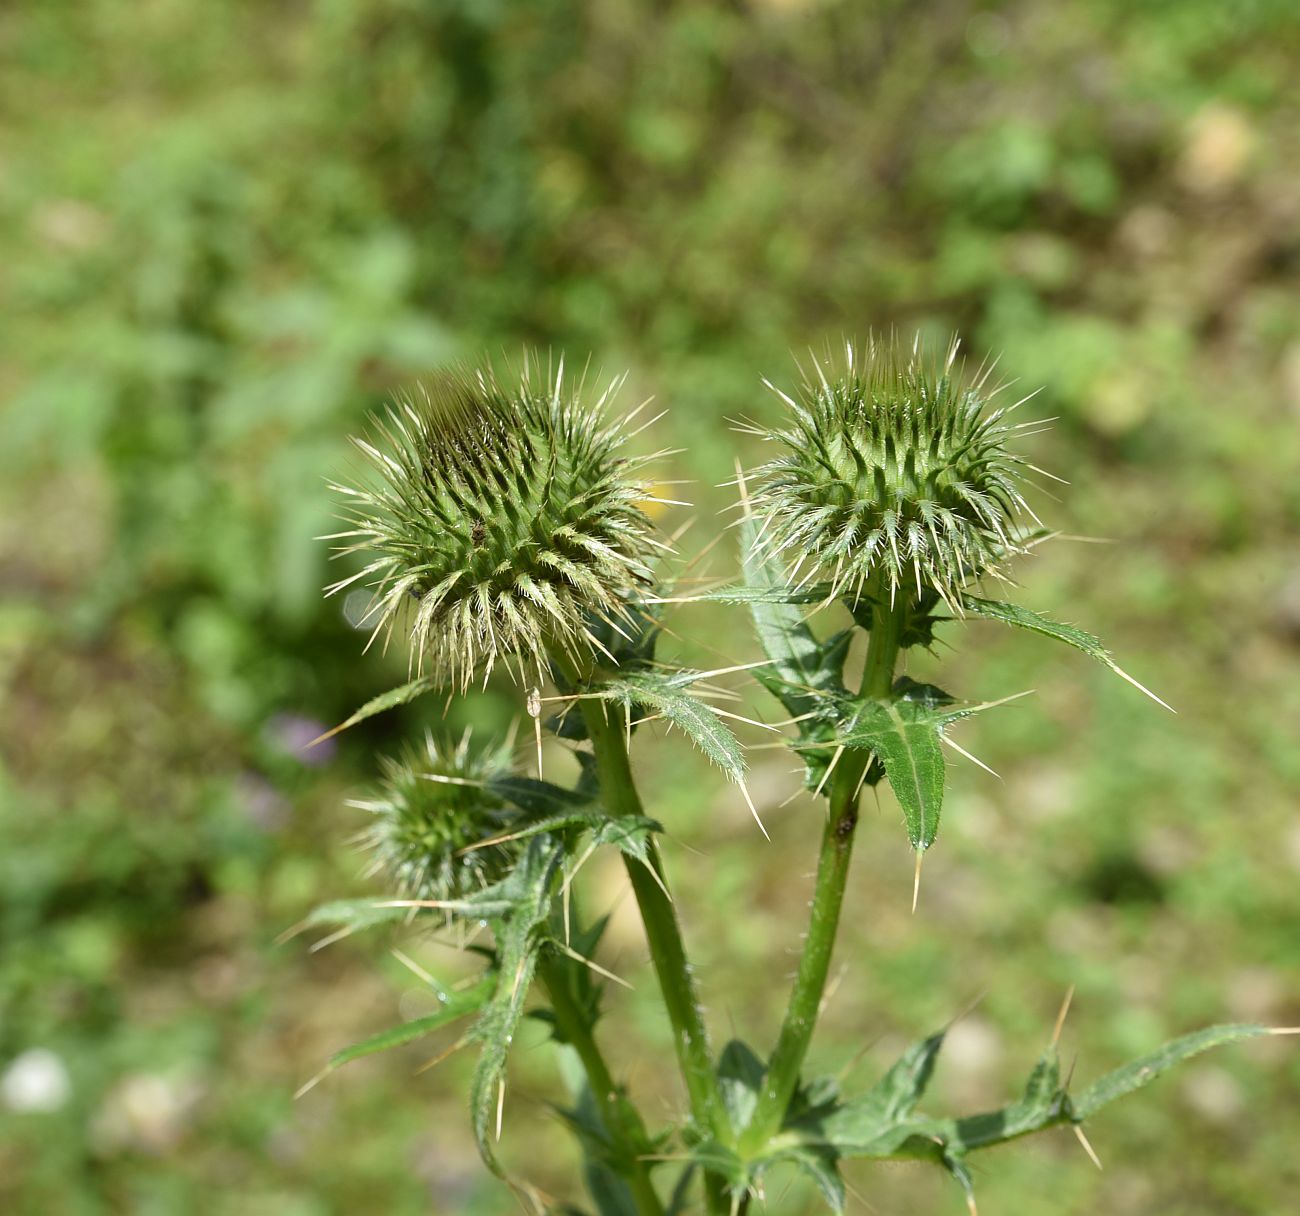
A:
(892, 472)
(431, 812)
(499, 518)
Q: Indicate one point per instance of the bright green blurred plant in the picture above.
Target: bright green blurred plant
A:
(502, 522)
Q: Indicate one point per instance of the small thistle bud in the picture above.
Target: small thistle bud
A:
(891, 475)
(431, 805)
(501, 522)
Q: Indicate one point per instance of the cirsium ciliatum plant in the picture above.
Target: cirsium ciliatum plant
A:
(502, 523)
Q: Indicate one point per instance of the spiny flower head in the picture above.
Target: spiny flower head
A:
(431, 805)
(501, 521)
(891, 474)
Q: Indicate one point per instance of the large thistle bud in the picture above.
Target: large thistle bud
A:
(891, 474)
(431, 807)
(502, 522)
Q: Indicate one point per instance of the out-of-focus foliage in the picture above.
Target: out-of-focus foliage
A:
(228, 229)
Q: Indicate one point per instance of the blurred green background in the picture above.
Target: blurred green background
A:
(227, 230)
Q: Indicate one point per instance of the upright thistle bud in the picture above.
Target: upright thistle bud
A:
(501, 522)
(432, 806)
(891, 474)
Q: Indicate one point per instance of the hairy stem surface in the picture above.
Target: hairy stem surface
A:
(605, 727)
(828, 898)
(621, 1123)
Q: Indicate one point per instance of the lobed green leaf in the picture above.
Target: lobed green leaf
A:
(821, 1165)
(883, 1122)
(668, 696)
(904, 736)
(602, 1165)
(1143, 1071)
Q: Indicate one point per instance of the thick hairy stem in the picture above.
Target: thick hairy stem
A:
(605, 727)
(620, 1121)
(828, 898)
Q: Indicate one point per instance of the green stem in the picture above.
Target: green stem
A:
(605, 727)
(621, 1123)
(828, 898)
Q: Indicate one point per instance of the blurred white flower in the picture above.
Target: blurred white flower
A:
(37, 1080)
(146, 1112)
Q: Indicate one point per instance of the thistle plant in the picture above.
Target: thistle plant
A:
(502, 522)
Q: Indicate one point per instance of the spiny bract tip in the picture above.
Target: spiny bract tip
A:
(892, 475)
(498, 522)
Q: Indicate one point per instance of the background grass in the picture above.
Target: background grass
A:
(228, 229)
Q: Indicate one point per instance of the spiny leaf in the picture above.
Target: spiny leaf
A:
(716, 1158)
(804, 671)
(348, 914)
(535, 796)
(666, 695)
(800, 663)
(903, 1086)
(883, 1123)
(904, 736)
(854, 1127)
(1143, 1071)
(681, 1198)
(762, 593)
(519, 937)
(1044, 1104)
(1023, 618)
(630, 833)
(377, 705)
(455, 1006)
(577, 977)
(818, 1164)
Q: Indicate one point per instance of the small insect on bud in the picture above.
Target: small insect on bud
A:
(431, 812)
(891, 475)
(500, 521)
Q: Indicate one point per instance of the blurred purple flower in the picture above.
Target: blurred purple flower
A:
(294, 733)
(261, 801)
